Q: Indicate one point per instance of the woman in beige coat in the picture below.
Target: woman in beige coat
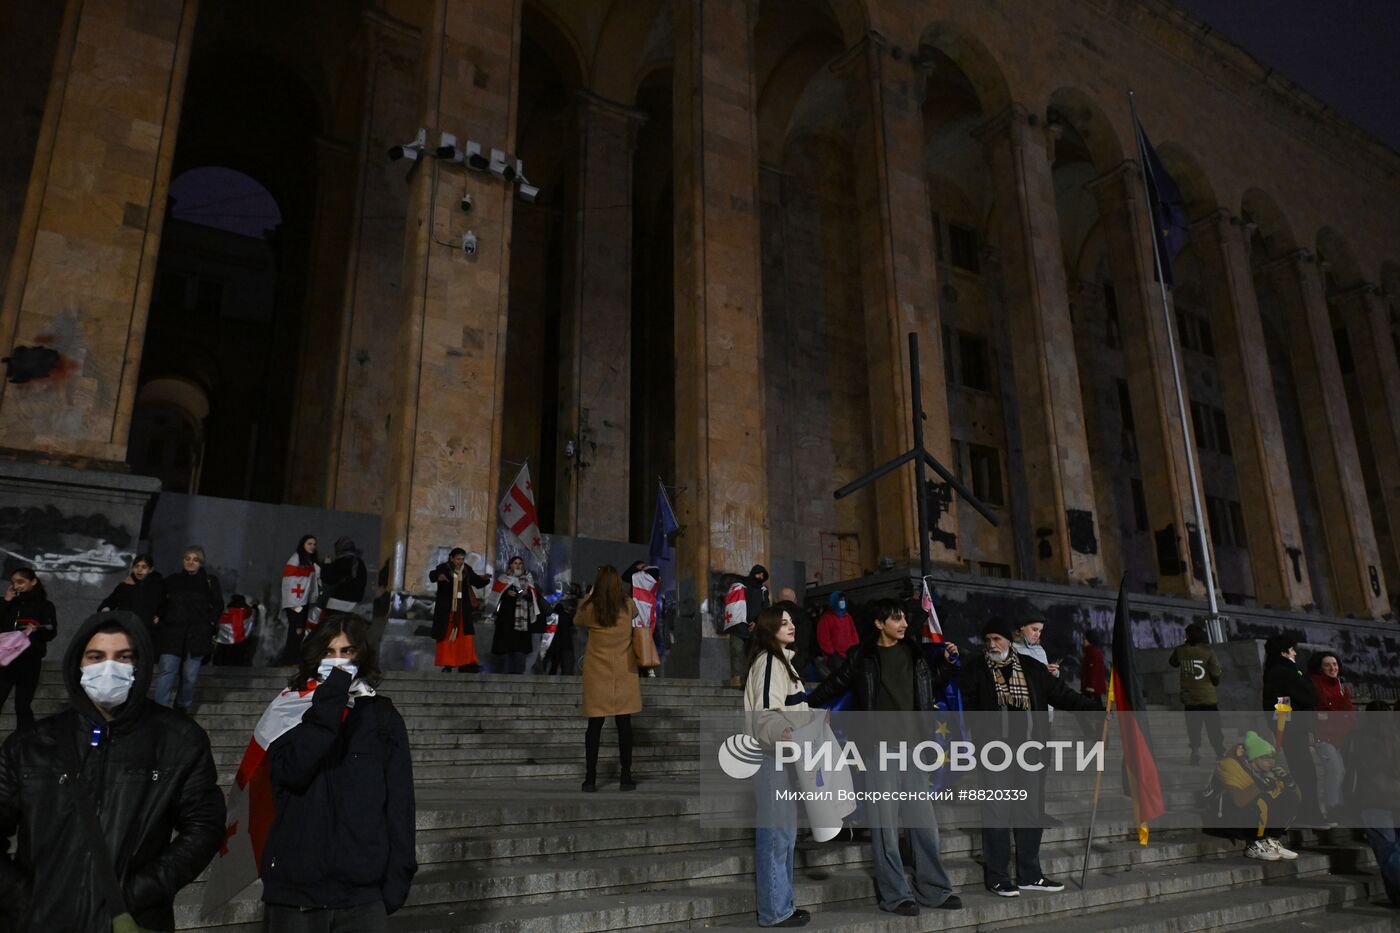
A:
(610, 684)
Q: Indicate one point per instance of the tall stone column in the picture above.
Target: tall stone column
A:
(720, 456)
(1059, 479)
(85, 255)
(364, 408)
(596, 383)
(451, 336)
(1161, 439)
(899, 283)
(1341, 491)
(1367, 321)
(1266, 490)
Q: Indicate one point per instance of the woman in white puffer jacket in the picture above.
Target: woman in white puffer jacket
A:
(772, 679)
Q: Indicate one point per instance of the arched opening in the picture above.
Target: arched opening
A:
(1270, 240)
(252, 258)
(1085, 150)
(815, 388)
(217, 326)
(964, 89)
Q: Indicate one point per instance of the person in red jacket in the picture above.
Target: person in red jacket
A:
(1336, 716)
(1093, 674)
(836, 631)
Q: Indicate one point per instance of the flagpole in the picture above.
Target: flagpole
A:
(1098, 781)
(1216, 634)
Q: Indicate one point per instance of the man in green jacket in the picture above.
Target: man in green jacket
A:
(1200, 672)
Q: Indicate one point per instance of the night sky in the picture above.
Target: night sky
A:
(1343, 52)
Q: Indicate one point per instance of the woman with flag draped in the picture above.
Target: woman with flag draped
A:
(340, 852)
(518, 605)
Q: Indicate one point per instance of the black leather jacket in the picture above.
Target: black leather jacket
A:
(861, 673)
(155, 788)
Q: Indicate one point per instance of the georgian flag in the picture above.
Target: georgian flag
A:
(644, 596)
(736, 606)
(933, 630)
(250, 806)
(517, 513)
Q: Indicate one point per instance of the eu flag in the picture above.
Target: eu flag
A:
(661, 553)
(1165, 204)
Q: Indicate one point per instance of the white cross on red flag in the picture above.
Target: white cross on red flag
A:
(517, 513)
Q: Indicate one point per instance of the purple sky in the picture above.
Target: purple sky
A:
(1343, 52)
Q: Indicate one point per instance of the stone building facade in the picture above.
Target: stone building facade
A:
(744, 207)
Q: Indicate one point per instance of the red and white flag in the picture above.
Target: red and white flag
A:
(736, 606)
(644, 596)
(517, 513)
(250, 805)
(933, 630)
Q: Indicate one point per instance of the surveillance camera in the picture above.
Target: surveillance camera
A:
(528, 192)
(500, 167)
(410, 150)
(447, 147)
(475, 160)
(466, 203)
(469, 243)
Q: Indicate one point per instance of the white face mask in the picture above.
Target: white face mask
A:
(108, 683)
(330, 664)
(998, 656)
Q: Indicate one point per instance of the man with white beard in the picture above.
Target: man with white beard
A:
(1021, 688)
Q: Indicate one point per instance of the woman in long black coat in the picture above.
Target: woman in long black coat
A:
(453, 628)
(189, 617)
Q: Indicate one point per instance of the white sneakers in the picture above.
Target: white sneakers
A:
(1261, 850)
(1268, 850)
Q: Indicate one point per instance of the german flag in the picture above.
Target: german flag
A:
(1125, 692)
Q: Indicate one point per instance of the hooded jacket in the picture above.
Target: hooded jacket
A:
(836, 629)
(1200, 672)
(153, 782)
(756, 595)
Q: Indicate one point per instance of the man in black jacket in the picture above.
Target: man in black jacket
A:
(146, 769)
(1021, 689)
(345, 578)
(1285, 680)
(340, 854)
(889, 674)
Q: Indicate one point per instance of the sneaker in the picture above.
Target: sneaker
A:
(1261, 850)
(952, 902)
(1005, 889)
(904, 909)
(798, 918)
(1043, 884)
(1283, 852)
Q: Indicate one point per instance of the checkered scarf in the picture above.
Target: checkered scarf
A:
(1012, 692)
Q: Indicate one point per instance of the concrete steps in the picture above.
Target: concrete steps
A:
(507, 843)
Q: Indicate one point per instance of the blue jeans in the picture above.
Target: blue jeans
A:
(931, 884)
(169, 672)
(1385, 842)
(775, 837)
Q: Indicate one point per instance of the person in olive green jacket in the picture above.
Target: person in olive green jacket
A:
(1200, 672)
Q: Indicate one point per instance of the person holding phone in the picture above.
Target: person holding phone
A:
(26, 609)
